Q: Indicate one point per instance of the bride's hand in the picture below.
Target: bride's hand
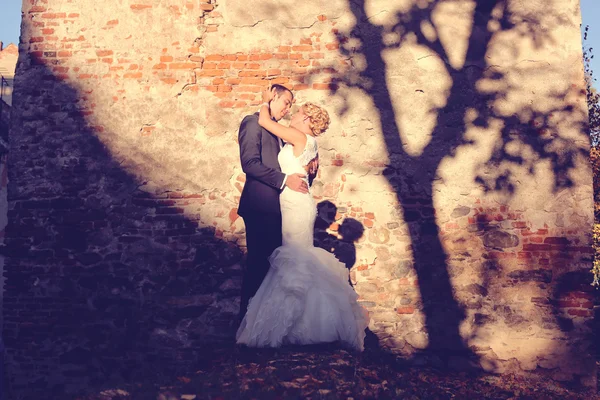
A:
(268, 94)
(264, 114)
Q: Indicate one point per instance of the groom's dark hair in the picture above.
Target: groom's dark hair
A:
(280, 89)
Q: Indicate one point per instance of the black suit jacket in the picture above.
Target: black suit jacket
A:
(258, 153)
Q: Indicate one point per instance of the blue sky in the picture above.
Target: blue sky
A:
(10, 20)
(590, 15)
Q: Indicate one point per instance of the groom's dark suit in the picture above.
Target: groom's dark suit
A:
(259, 203)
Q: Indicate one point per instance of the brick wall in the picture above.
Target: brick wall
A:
(453, 182)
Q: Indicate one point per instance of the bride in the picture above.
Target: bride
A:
(305, 297)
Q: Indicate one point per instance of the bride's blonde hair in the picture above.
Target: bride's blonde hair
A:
(319, 118)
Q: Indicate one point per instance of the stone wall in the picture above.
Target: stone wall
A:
(457, 144)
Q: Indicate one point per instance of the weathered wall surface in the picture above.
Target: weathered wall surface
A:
(457, 142)
(8, 62)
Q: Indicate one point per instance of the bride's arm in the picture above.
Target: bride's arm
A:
(290, 135)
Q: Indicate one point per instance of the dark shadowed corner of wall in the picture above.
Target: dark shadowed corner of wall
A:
(105, 282)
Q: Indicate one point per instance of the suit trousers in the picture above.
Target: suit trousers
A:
(263, 236)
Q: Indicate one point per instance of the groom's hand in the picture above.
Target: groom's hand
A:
(297, 183)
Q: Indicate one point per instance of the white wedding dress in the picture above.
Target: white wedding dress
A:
(305, 297)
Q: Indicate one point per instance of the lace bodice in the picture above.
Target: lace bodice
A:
(291, 164)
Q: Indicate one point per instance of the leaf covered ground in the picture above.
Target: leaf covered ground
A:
(326, 372)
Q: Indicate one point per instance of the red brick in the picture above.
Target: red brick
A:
(556, 240)
(568, 303)
(226, 104)
(405, 310)
(207, 7)
(280, 80)
(581, 295)
(580, 312)
(138, 7)
(253, 89)
(581, 249)
(104, 53)
(54, 15)
(233, 215)
(37, 9)
(251, 81)
(587, 304)
(166, 58)
(113, 22)
(214, 57)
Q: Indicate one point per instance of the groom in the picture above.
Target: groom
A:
(259, 203)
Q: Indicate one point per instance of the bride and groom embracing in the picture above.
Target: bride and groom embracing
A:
(292, 292)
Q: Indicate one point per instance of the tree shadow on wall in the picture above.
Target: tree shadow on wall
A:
(104, 281)
(528, 137)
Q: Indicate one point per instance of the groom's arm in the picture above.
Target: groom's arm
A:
(249, 138)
